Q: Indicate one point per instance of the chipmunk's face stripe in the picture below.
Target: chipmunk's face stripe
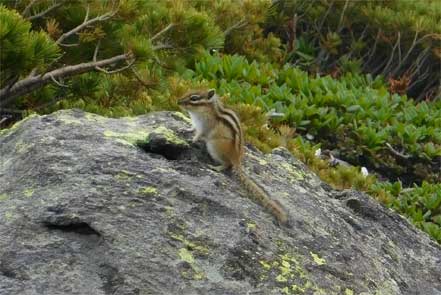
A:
(198, 102)
(195, 99)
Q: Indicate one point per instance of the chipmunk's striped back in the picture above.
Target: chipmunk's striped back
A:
(233, 122)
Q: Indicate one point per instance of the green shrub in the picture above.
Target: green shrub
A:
(421, 204)
(396, 38)
(241, 21)
(162, 36)
(354, 114)
(21, 48)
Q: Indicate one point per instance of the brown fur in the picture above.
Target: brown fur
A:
(220, 128)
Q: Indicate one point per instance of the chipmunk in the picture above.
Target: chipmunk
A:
(220, 128)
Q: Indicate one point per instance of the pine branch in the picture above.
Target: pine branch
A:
(86, 22)
(138, 77)
(28, 7)
(242, 23)
(13, 111)
(98, 68)
(397, 153)
(323, 19)
(44, 12)
(3, 120)
(397, 45)
(370, 53)
(32, 83)
(171, 25)
(340, 23)
(58, 83)
(162, 46)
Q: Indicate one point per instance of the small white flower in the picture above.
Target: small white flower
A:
(364, 171)
(318, 152)
(309, 136)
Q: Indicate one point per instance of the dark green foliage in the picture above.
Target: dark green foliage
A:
(399, 39)
(241, 22)
(355, 114)
(161, 36)
(22, 49)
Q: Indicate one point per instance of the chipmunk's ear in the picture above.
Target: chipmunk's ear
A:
(211, 93)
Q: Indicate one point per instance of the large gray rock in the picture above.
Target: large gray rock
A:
(91, 205)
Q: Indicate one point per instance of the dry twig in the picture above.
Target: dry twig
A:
(86, 23)
(168, 27)
(44, 12)
(397, 153)
(31, 83)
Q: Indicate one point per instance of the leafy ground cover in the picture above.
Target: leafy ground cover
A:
(354, 115)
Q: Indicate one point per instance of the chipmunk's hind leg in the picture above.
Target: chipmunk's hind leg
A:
(221, 150)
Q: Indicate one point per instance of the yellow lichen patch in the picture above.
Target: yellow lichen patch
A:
(349, 292)
(8, 131)
(265, 265)
(124, 175)
(263, 277)
(281, 279)
(186, 255)
(285, 270)
(199, 276)
(296, 174)
(251, 226)
(22, 147)
(297, 289)
(170, 135)
(9, 215)
(163, 170)
(28, 192)
(289, 274)
(3, 197)
(169, 211)
(195, 272)
(191, 245)
(317, 259)
(70, 120)
(130, 138)
(182, 117)
(93, 117)
(261, 161)
(283, 194)
(148, 191)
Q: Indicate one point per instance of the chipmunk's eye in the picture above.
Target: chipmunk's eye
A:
(194, 97)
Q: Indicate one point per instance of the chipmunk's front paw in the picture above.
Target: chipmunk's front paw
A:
(196, 137)
(218, 168)
(188, 130)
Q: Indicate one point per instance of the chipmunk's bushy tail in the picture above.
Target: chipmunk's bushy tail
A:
(261, 197)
